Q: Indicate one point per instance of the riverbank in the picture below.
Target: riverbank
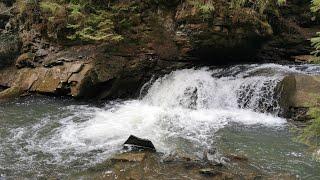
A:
(146, 39)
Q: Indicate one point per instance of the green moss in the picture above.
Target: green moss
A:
(51, 8)
(259, 5)
(205, 7)
(311, 134)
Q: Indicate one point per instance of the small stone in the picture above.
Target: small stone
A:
(209, 172)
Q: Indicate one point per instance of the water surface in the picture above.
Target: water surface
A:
(233, 110)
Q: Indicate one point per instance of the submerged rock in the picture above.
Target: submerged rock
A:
(139, 143)
(130, 157)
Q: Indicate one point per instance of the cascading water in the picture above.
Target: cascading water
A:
(181, 111)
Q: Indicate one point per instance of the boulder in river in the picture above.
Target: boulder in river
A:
(298, 94)
(139, 144)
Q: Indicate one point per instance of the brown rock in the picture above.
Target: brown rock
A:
(303, 58)
(25, 60)
(130, 157)
(300, 90)
(10, 93)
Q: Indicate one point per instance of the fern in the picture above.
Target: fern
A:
(315, 6)
(315, 42)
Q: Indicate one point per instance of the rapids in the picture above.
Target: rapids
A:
(187, 111)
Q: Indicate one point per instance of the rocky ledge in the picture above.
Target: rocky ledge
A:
(156, 38)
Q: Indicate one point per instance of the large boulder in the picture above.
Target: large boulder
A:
(298, 94)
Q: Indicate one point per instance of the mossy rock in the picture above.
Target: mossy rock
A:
(11, 93)
(9, 48)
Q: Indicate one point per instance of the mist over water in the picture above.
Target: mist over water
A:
(180, 112)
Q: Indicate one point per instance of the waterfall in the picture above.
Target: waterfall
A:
(182, 109)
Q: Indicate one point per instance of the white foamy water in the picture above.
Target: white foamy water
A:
(182, 110)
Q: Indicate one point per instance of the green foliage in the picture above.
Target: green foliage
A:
(52, 9)
(26, 5)
(311, 134)
(259, 5)
(315, 6)
(96, 26)
(87, 20)
(315, 42)
(205, 7)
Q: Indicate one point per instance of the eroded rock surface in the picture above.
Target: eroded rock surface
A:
(299, 93)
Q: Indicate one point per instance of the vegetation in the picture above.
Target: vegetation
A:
(311, 134)
(315, 41)
(84, 20)
(205, 7)
(259, 5)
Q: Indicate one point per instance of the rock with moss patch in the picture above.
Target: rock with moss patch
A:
(10, 93)
(26, 60)
(9, 48)
(298, 94)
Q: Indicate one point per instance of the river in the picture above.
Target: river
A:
(232, 110)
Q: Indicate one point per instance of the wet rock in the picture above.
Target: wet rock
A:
(209, 172)
(317, 155)
(234, 158)
(10, 93)
(298, 94)
(26, 60)
(54, 63)
(129, 157)
(139, 143)
(303, 58)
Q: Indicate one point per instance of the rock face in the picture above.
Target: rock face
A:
(224, 34)
(158, 37)
(299, 93)
(9, 48)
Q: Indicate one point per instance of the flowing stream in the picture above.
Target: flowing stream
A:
(232, 110)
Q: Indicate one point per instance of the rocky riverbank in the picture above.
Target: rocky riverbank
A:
(36, 55)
